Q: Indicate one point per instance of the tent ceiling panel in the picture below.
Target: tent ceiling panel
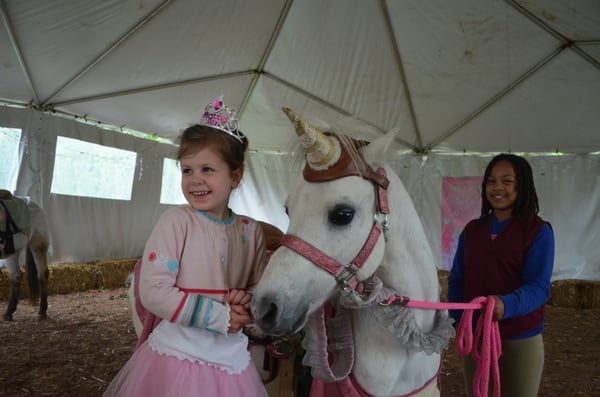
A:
(578, 20)
(447, 74)
(593, 51)
(466, 54)
(14, 83)
(165, 112)
(342, 54)
(185, 42)
(57, 40)
(542, 102)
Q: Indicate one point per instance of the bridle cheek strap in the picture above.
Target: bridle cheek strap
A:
(382, 201)
(345, 275)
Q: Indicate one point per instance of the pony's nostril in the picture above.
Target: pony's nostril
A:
(266, 312)
(270, 315)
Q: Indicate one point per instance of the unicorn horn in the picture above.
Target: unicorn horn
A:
(322, 151)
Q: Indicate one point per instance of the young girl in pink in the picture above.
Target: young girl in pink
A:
(199, 266)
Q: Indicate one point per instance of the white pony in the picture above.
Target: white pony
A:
(23, 227)
(355, 244)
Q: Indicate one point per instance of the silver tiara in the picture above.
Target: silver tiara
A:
(223, 118)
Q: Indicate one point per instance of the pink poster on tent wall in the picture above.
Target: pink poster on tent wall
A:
(461, 202)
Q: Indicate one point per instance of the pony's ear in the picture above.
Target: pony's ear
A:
(375, 152)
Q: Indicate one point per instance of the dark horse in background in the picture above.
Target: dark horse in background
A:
(23, 232)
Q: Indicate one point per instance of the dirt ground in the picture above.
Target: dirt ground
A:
(89, 336)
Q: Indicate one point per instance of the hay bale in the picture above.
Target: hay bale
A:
(443, 279)
(65, 278)
(72, 277)
(581, 294)
(68, 278)
(112, 274)
(4, 284)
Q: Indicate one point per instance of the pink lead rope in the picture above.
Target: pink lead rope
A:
(486, 331)
(487, 334)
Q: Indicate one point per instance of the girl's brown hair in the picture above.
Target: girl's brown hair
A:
(197, 137)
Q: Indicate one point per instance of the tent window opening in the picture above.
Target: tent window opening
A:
(170, 191)
(9, 153)
(90, 170)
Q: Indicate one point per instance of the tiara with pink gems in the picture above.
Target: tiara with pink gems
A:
(223, 118)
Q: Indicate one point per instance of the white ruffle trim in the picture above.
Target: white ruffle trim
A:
(228, 353)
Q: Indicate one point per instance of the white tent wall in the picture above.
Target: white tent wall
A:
(568, 189)
(452, 76)
(84, 229)
(88, 229)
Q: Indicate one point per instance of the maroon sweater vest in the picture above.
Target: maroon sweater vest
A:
(495, 267)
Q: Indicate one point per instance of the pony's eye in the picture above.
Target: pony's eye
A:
(341, 215)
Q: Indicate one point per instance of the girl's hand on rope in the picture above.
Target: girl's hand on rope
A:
(239, 304)
(498, 309)
(239, 316)
(238, 297)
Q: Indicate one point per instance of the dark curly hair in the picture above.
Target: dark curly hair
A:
(527, 201)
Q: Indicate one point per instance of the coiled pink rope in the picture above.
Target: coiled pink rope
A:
(487, 335)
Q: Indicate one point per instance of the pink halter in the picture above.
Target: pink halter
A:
(345, 275)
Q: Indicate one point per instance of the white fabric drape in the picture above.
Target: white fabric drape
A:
(568, 189)
(87, 229)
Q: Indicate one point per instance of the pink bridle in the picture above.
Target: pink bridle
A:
(346, 275)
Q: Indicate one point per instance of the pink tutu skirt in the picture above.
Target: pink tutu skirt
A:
(150, 374)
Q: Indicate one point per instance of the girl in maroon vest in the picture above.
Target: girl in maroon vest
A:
(508, 253)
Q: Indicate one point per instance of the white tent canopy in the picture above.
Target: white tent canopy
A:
(465, 76)
(475, 75)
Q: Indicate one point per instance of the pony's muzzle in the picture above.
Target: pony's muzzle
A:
(265, 313)
(274, 319)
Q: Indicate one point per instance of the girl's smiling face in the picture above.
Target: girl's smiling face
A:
(501, 189)
(207, 182)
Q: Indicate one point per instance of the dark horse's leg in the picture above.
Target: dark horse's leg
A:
(37, 277)
(15, 273)
(43, 296)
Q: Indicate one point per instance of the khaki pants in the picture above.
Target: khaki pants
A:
(521, 365)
